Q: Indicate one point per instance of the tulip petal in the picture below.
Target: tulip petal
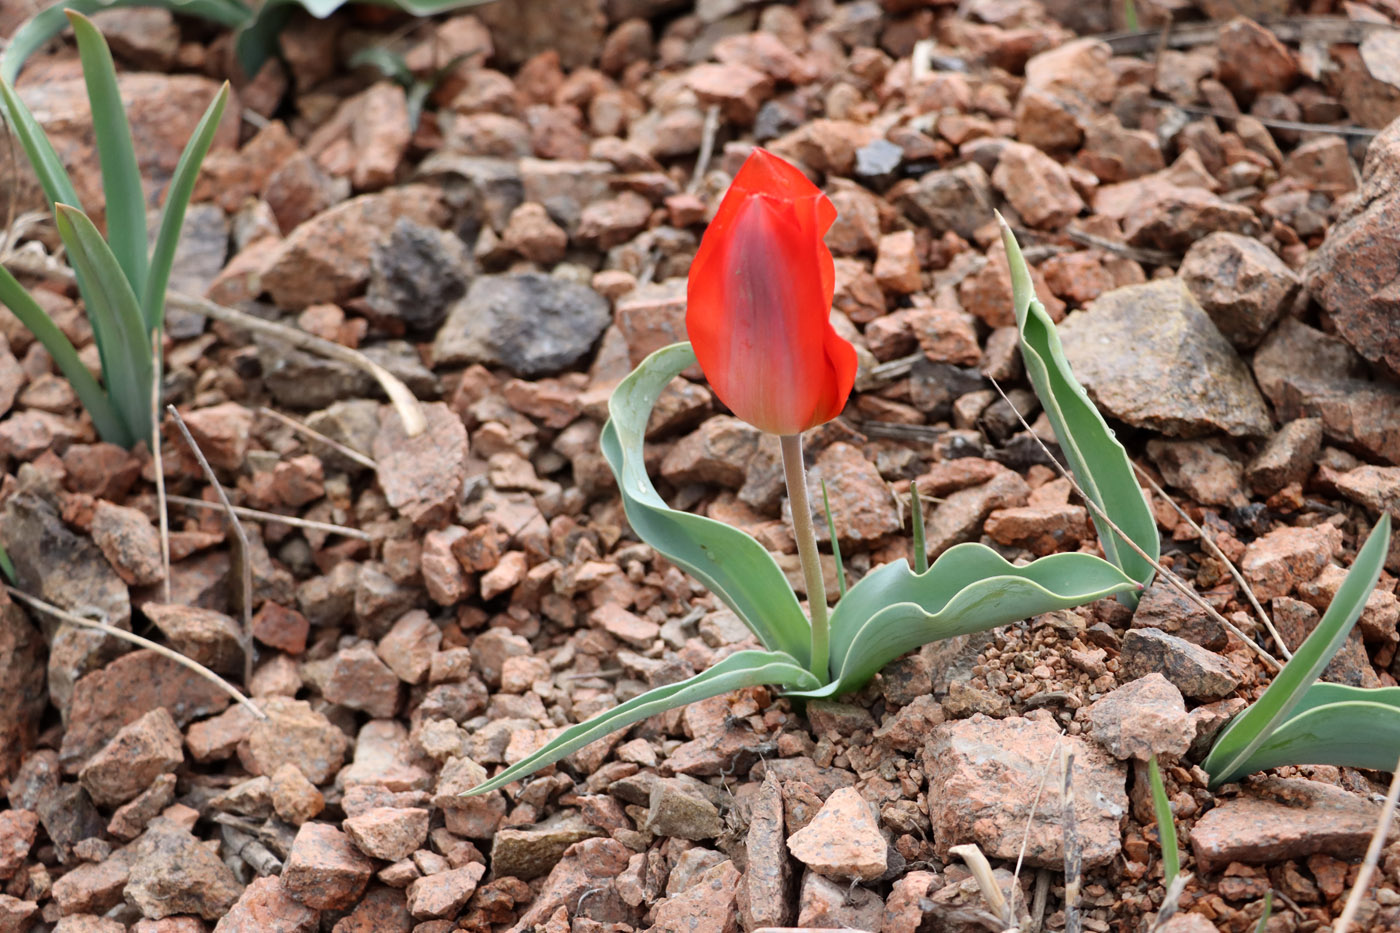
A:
(759, 302)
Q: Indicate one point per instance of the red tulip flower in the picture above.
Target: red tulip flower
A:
(759, 301)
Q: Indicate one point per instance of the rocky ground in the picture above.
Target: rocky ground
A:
(1209, 210)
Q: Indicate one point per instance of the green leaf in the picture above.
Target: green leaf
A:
(53, 177)
(172, 217)
(35, 32)
(127, 367)
(835, 543)
(970, 588)
(121, 178)
(258, 40)
(916, 509)
(7, 568)
(1096, 458)
(105, 418)
(732, 565)
(1166, 827)
(1230, 756)
(1268, 911)
(386, 61)
(741, 669)
(1353, 734)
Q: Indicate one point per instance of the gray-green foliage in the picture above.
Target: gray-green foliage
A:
(122, 285)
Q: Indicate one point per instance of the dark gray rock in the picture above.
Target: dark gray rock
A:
(22, 693)
(1196, 672)
(1156, 335)
(417, 275)
(533, 325)
(69, 571)
(957, 199)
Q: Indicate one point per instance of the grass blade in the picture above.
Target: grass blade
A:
(121, 179)
(920, 541)
(741, 669)
(1096, 458)
(53, 177)
(1268, 912)
(105, 417)
(1249, 730)
(127, 365)
(835, 544)
(1166, 827)
(35, 32)
(172, 217)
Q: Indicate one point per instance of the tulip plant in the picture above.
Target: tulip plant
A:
(758, 317)
(122, 284)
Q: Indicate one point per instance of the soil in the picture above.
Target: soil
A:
(1209, 206)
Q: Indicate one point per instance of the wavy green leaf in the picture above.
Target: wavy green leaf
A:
(741, 669)
(105, 417)
(36, 32)
(121, 178)
(1355, 734)
(970, 588)
(1247, 732)
(732, 565)
(127, 367)
(1096, 458)
(172, 216)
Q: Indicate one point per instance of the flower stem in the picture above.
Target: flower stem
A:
(806, 536)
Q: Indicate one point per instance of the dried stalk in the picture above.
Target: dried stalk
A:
(158, 363)
(258, 515)
(1373, 856)
(707, 149)
(1171, 578)
(1219, 554)
(399, 395)
(245, 550)
(64, 616)
(986, 882)
(348, 452)
(1074, 855)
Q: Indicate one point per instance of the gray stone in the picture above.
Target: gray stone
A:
(1284, 819)
(175, 873)
(417, 274)
(983, 775)
(1196, 672)
(532, 851)
(1285, 458)
(22, 694)
(677, 810)
(957, 199)
(1156, 335)
(1240, 283)
(1352, 274)
(1163, 607)
(1306, 373)
(1142, 718)
(531, 324)
(69, 571)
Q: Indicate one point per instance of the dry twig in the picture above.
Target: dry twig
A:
(1373, 856)
(1172, 579)
(348, 452)
(245, 555)
(707, 149)
(1211, 546)
(258, 515)
(72, 619)
(399, 395)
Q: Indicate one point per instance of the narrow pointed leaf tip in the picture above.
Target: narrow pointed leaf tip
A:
(1231, 756)
(1095, 457)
